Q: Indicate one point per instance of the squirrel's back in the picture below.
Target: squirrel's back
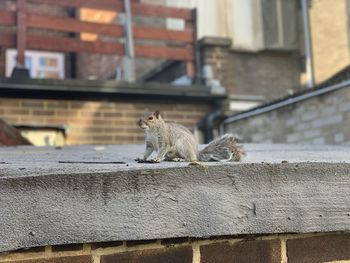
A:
(182, 141)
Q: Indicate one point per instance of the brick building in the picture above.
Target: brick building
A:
(330, 36)
(253, 70)
(256, 50)
(99, 113)
(55, 112)
(314, 116)
(289, 113)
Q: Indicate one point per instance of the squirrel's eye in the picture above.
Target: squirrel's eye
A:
(150, 118)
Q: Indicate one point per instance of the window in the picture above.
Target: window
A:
(43, 135)
(42, 65)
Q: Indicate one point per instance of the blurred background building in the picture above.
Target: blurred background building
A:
(269, 70)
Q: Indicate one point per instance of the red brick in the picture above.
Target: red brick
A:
(103, 138)
(67, 113)
(69, 247)
(43, 112)
(102, 122)
(319, 249)
(165, 255)
(106, 244)
(261, 251)
(140, 242)
(112, 123)
(32, 104)
(172, 241)
(135, 129)
(93, 130)
(57, 104)
(114, 129)
(9, 103)
(76, 105)
(91, 114)
(72, 259)
(112, 114)
(134, 115)
(16, 112)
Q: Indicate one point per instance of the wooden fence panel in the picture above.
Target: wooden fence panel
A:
(73, 25)
(7, 18)
(23, 19)
(117, 5)
(160, 11)
(150, 33)
(109, 5)
(164, 52)
(8, 40)
(64, 44)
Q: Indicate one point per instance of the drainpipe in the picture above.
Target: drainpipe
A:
(129, 58)
(308, 44)
(209, 122)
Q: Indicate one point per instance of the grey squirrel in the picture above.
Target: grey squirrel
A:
(173, 141)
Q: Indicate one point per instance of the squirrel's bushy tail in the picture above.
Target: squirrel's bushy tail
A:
(223, 149)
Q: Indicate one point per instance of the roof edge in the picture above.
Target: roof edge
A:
(99, 90)
(285, 102)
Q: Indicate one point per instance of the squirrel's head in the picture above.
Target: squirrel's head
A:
(150, 120)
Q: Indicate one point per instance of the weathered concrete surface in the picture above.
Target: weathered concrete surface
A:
(277, 189)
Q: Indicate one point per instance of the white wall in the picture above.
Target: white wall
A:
(212, 16)
(235, 19)
(246, 30)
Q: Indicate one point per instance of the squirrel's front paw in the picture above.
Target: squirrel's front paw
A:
(156, 160)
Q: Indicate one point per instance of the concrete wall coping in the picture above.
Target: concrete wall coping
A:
(81, 194)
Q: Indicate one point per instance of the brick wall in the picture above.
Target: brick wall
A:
(97, 122)
(320, 120)
(271, 74)
(296, 248)
(329, 28)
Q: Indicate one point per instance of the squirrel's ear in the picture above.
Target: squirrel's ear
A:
(156, 113)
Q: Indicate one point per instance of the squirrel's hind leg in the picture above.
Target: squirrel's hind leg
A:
(172, 156)
(188, 154)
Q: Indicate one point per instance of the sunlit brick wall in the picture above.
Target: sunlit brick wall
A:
(330, 37)
(293, 248)
(97, 122)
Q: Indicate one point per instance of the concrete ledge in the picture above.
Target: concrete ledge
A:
(60, 196)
